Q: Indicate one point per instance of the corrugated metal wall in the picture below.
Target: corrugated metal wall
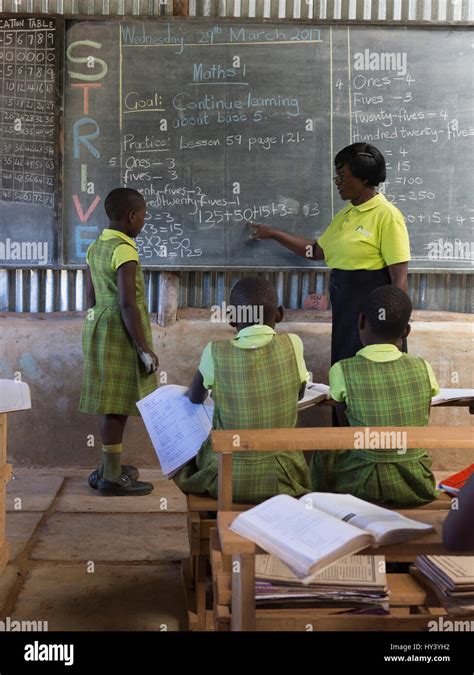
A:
(362, 10)
(63, 290)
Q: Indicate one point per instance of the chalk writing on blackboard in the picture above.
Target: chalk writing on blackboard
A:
(220, 123)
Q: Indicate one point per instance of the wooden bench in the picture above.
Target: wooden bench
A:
(201, 517)
(242, 614)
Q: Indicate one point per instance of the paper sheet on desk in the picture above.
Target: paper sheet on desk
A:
(177, 427)
(450, 394)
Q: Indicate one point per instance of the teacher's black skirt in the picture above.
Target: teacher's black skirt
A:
(348, 290)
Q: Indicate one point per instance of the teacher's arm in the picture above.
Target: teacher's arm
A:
(306, 248)
(399, 275)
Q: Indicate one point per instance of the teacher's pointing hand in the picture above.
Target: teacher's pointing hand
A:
(258, 231)
(307, 248)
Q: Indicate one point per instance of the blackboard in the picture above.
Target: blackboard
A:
(217, 123)
(29, 122)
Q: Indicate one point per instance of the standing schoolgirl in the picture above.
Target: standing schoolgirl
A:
(119, 363)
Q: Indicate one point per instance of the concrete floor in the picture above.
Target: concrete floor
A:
(84, 562)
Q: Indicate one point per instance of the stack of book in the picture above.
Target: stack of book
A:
(357, 581)
(451, 578)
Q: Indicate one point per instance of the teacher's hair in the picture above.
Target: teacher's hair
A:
(365, 162)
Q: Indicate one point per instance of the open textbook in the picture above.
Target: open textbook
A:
(310, 533)
(177, 427)
(314, 393)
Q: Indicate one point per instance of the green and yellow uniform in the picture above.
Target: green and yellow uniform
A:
(381, 386)
(114, 377)
(255, 380)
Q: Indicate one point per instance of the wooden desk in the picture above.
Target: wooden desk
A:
(242, 553)
(460, 403)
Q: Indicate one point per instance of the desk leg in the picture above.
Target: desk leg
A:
(5, 475)
(243, 592)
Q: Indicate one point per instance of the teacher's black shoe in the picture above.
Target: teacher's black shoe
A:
(130, 470)
(124, 487)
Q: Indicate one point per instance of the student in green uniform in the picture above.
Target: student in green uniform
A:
(117, 339)
(381, 386)
(256, 380)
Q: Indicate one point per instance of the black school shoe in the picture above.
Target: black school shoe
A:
(124, 487)
(130, 470)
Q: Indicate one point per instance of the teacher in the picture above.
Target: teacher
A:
(366, 245)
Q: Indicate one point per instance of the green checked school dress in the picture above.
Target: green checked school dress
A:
(253, 389)
(390, 393)
(114, 377)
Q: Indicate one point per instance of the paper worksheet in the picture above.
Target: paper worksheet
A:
(177, 427)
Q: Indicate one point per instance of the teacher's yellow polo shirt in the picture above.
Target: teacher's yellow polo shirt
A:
(369, 236)
(123, 253)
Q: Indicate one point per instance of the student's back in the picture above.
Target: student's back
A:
(381, 386)
(386, 393)
(255, 388)
(255, 379)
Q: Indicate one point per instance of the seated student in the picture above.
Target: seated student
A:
(381, 386)
(256, 380)
(458, 532)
